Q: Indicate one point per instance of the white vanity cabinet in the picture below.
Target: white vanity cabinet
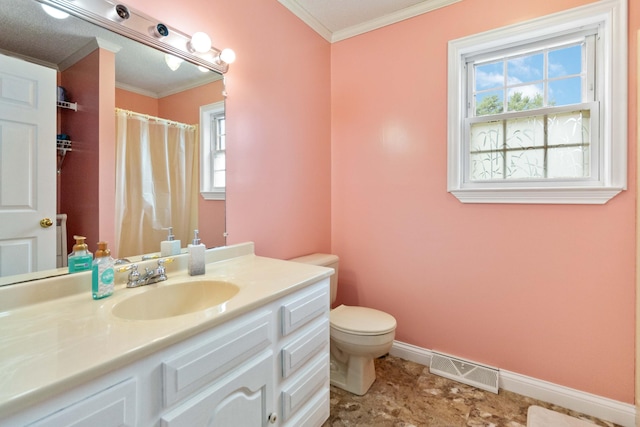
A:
(268, 366)
(303, 368)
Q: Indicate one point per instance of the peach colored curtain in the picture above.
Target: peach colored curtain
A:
(156, 182)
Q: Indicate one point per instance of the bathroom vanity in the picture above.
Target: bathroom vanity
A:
(259, 357)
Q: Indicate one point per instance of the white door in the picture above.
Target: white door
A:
(27, 167)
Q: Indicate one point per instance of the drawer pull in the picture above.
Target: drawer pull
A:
(273, 418)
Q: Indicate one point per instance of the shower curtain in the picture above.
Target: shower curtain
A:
(157, 182)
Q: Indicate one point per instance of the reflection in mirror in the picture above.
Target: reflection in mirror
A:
(100, 184)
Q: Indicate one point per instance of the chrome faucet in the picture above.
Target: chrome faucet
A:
(150, 276)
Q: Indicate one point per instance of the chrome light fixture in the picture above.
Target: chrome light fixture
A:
(135, 25)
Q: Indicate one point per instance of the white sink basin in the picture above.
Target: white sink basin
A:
(175, 299)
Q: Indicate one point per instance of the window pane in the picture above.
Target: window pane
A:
(525, 164)
(525, 69)
(219, 161)
(486, 136)
(523, 98)
(569, 128)
(219, 179)
(489, 76)
(568, 162)
(525, 132)
(489, 103)
(565, 91)
(485, 166)
(565, 61)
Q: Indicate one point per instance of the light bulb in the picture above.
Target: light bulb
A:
(173, 62)
(227, 55)
(200, 42)
(55, 13)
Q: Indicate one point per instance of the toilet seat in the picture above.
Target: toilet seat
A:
(361, 320)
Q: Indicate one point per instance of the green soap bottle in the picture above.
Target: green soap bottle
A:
(103, 273)
(80, 258)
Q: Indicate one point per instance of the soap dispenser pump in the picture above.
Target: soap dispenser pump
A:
(196, 256)
(171, 246)
(80, 258)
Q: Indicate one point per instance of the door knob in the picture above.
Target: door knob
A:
(46, 223)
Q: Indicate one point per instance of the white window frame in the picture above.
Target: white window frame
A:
(208, 190)
(611, 18)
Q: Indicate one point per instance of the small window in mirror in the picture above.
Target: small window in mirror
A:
(212, 151)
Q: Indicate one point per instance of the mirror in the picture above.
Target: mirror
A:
(144, 83)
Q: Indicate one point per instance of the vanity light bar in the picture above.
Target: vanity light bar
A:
(135, 25)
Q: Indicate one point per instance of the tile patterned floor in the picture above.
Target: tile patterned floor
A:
(405, 394)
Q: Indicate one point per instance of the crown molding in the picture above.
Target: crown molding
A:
(392, 18)
(374, 24)
(307, 18)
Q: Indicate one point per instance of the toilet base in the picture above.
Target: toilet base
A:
(355, 376)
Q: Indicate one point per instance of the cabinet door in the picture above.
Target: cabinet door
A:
(242, 400)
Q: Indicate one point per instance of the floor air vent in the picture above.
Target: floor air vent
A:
(464, 371)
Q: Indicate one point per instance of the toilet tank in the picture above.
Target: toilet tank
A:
(323, 260)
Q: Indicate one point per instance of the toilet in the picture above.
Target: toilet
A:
(358, 335)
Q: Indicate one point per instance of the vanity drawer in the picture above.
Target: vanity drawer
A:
(199, 366)
(304, 309)
(315, 413)
(114, 406)
(308, 383)
(300, 351)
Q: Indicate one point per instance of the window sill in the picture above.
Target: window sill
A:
(213, 195)
(584, 195)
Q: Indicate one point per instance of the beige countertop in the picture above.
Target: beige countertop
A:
(53, 345)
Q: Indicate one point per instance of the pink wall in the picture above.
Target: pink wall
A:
(135, 102)
(544, 291)
(278, 113)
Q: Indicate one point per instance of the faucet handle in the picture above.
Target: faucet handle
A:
(133, 274)
(127, 268)
(161, 268)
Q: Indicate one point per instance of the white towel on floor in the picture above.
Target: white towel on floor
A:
(538, 416)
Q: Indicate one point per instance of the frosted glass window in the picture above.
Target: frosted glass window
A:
(532, 147)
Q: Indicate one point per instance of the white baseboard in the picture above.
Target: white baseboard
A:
(604, 408)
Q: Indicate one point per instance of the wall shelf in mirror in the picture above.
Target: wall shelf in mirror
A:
(62, 147)
(68, 105)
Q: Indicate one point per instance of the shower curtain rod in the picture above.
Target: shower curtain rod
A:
(155, 119)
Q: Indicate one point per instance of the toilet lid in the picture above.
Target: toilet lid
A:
(362, 320)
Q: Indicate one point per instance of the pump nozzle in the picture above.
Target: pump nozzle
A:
(80, 244)
(170, 237)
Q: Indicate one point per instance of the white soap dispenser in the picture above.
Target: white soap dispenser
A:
(171, 246)
(196, 256)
